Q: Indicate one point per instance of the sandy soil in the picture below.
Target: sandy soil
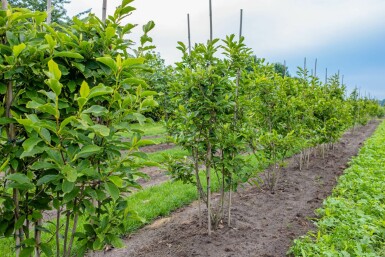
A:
(263, 223)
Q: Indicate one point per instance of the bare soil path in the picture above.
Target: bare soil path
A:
(263, 224)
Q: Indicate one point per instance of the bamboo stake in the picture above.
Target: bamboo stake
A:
(284, 68)
(315, 68)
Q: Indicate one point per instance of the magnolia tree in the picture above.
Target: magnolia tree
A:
(69, 95)
(206, 124)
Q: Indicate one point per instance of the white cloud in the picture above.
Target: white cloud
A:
(270, 26)
(276, 29)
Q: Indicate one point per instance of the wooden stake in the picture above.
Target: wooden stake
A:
(4, 4)
(211, 21)
(240, 24)
(188, 34)
(104, 11)
(326, 76)
(49, 11)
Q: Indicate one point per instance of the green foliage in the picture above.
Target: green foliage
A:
(281, 69)
(59, 13)
(226, 106)
(206, 122)
(352, 219)
(76, 91)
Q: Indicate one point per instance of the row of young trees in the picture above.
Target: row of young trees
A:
(69, 94)
(227, 104)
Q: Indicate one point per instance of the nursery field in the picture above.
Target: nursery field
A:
(264, 223)
(106, 150)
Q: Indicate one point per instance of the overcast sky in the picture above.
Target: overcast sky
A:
(345, 35)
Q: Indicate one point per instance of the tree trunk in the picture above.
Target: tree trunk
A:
(208, 177)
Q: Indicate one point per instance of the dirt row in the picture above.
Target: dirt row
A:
(263, 223)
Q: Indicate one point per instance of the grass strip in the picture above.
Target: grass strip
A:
(151, 129)
(352, 219)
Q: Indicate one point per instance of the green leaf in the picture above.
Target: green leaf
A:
(96, 110)
(117, 242)
(66, 121)
(42, 165)
(20, 222)
(50, 41)
(4, 165)
(18, 49)
(71, 195)
(81, 101)
(112, 190)
(148, 93)
(109, 62)
(87, 151)
(46, 179)
(69, 54)
(140, 118)
(149, 26)
(45, 135)
(36, 150)
(21, 181)
(54, 85)
(26, 252)
(53, 68)
(30, 143)
(5, 121)
(79, 66)
(110, 32)
(48, 108)
(100, 90)
(12, 38)
(144, 142)
(118, 181)
(67, 186)
(133, 61)
(97, 245)
(50, 95)
(70, 173)
(46, 248)
(19, 178)
(101, 130)
(84, 89)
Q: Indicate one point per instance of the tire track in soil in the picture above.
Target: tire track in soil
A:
(263, 224)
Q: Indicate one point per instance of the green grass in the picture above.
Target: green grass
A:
(150, 203)
(352, 219)
(151, 129)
